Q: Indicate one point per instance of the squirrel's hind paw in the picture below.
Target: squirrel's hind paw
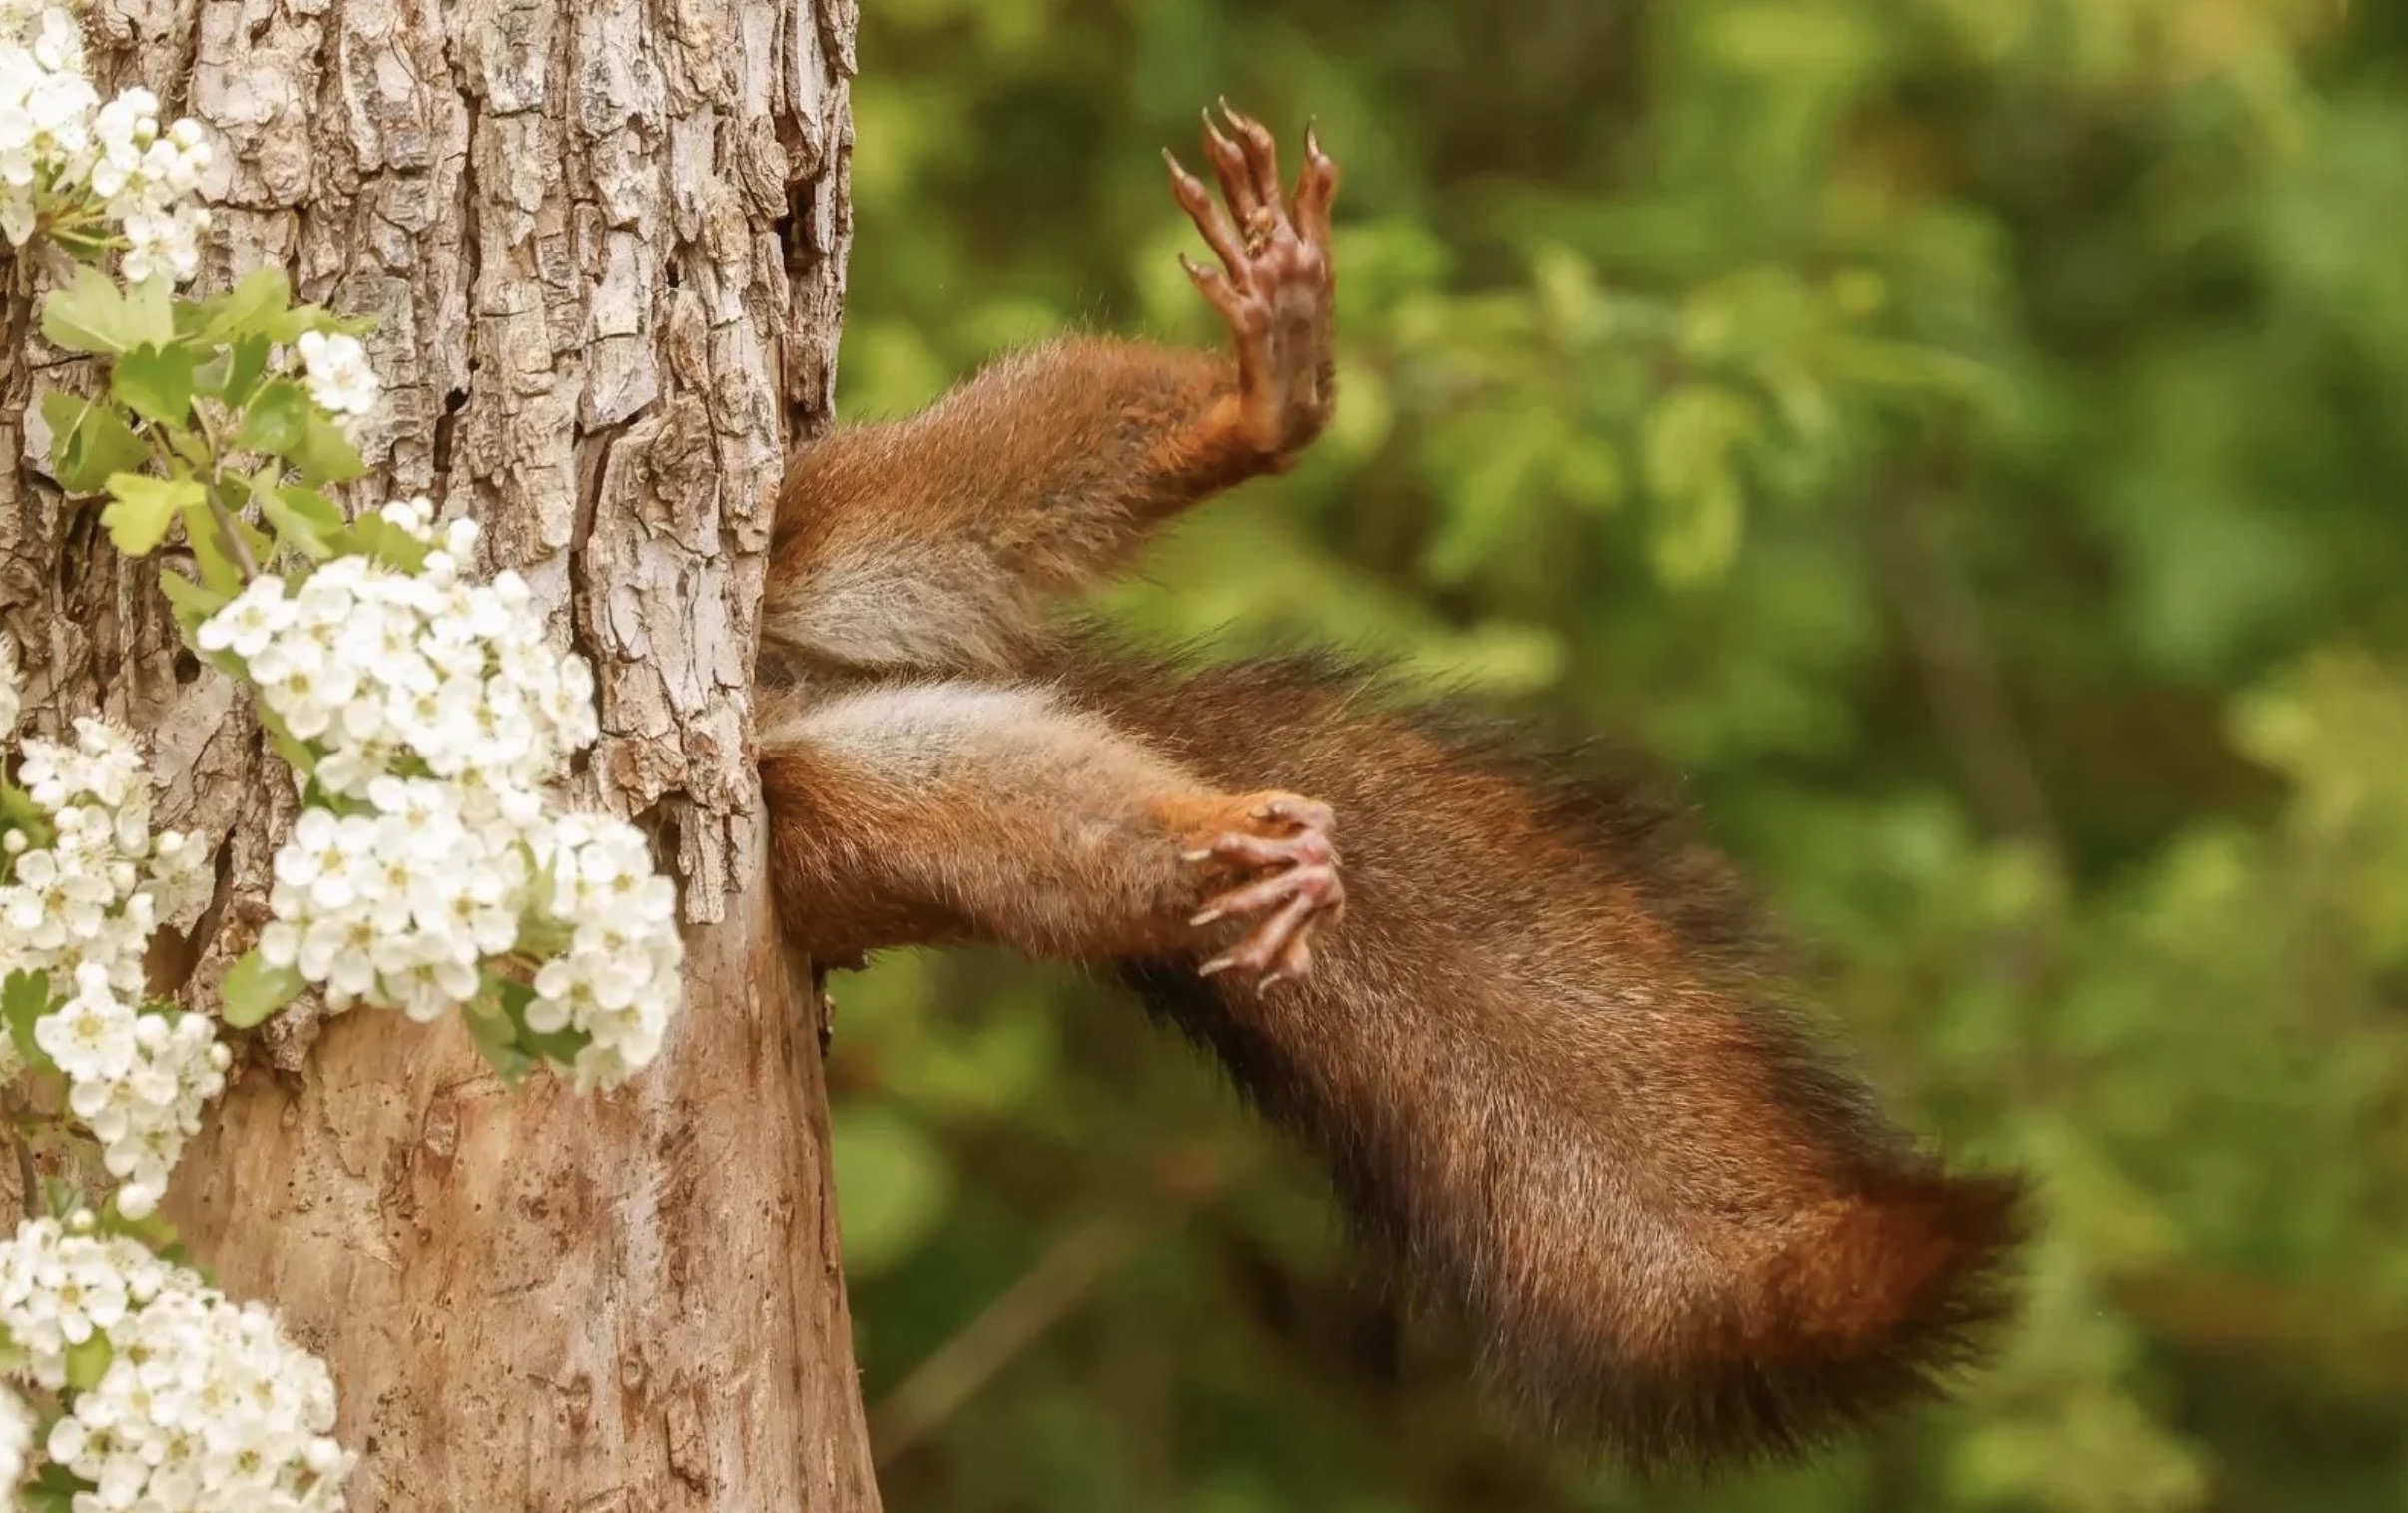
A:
(1281, 844)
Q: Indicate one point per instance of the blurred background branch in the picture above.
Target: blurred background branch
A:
(1057, 1284)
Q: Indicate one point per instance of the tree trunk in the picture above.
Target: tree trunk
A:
(606, 242)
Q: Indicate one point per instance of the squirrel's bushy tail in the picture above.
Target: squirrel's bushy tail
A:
(1562, 1094)
(1609, 1314)
(1860, 1313)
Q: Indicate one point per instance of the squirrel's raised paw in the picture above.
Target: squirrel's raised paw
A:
(1281, 845)
(1275, 283)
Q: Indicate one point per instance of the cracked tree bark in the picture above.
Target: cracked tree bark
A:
(606, 242)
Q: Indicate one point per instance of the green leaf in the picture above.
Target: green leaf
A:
(1590, 472)
(1491, 495)
(234, 374)
(186, 594)
(304, 519)
(24, 998)
(278, 418)
(245, 313)
(89, 441)
(54, 1490)
(559, 1047)
(297, 753)
(1688, 455)
(156, 383)
(253, 990)
(19, 813)
(192, 602)
(1697, 534)
(325, 454)
(291, 325)
(214, 555)
(61, 1195)
(150, 312)
(213, 549)
(144, 507)
(88, 1362)
(192, 447)
(91, 315)
(153, 1229)
(294, 752)
(250, 365)
(388, 543)
(497, 1037)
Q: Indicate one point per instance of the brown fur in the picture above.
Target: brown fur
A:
(1560, 1086)
(926, 810)
(932, 558)
(1564, 1098)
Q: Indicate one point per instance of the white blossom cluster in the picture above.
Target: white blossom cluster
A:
(98, 890)
(145, 179)
(16, 1438)
(443, 716)
(398, 906)
(339, 377)
(429, 672)
(82, 909)
(204, 1405)
(138, 1080)
(46, 106)
(618, 978)
(65, 154)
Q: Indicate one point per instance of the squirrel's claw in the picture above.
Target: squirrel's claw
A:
(1275, 285)
(1297, 887)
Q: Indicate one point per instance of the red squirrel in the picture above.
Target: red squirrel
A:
(1525, 1021)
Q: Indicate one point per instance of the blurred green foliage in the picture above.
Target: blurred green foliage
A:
(1969, 439)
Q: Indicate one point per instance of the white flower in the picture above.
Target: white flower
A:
(52, 35)
(16, 1442)
(341, 378)
(124, 129)
(46, 102)
(92, 1036)
(254, 618)
(163, 242)
(377, 667)
(415, 516)
(65, 152)
(441, 715)
(399, 907)
(618, 982)
(82, 909)
(101, 886)
(143, 1117)
(204, 1407)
